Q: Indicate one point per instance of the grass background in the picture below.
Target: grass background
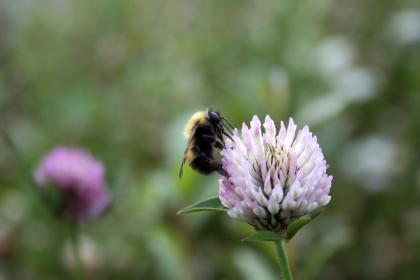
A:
(121, 78)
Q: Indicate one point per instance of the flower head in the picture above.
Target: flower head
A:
(274, 178)
(79, 179)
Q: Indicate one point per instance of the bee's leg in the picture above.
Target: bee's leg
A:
(219, 145)
(222, 171)
(217, 166)
(228, 136)
(217, 142)
(209, 137)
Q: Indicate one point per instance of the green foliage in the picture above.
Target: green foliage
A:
(264, 236)
(211, 204)
(121, 78)
(298, 224)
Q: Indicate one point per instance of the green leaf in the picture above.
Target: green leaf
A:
(316, 213)
(263, 236)
(212, 204)
(24, 167)
(52, 195)
(49, 193)
(298, 224)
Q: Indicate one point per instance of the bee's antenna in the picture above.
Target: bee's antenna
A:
(228, 136)
(224, 127)
(231, 126)
(227, 128)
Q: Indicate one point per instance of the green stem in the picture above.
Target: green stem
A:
(20, 159)
(26, 172)
(283, 260)
(80, 274)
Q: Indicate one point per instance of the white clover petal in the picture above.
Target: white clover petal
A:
(277, 194)
(270, 131)
(260, 212)
(273, 178)
(267, 185)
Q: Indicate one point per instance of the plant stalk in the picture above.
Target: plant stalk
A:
(283, 260)
(74, 237)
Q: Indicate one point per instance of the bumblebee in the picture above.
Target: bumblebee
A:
(205, 131)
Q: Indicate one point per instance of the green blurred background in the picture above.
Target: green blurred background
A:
(121, 78)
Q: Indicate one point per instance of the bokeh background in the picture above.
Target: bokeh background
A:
(121, 78)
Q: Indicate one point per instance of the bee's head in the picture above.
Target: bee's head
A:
(214, 117)
(217, 121)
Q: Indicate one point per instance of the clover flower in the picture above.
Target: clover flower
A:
(79, 180)
(274, 178)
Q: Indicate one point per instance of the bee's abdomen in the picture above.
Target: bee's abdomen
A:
(202, 165)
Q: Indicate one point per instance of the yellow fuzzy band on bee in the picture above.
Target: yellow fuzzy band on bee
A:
(200, 117)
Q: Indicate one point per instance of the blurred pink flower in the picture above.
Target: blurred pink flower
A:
(80, 181)
(273, 178)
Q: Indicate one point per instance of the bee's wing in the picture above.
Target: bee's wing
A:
(181, 170)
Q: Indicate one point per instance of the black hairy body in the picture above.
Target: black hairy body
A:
(205, 131)
(203, 149)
